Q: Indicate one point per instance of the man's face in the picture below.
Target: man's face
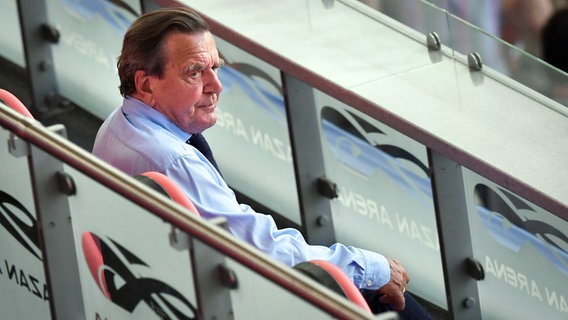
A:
(188, 91)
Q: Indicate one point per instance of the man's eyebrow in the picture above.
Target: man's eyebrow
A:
(196, 67)
(200, 66)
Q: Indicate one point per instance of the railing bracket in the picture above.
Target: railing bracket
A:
(18, 147)
(228, 277)
(327, 188)
(433, 41)
(474, 269)
(65, 183)
(474, 61)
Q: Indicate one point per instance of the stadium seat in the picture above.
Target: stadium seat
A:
(15, 103)
(334, 278)
(163, 184)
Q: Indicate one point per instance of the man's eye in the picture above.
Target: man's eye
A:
(195, 75)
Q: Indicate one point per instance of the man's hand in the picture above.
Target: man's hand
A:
(393, 292)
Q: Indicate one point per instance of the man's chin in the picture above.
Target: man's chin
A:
(205, 125)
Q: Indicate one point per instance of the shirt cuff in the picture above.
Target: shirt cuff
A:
(376, 272)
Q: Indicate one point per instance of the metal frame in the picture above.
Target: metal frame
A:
(148, 5)
(213, 281)
(305, 140)
(38, 55)
(56, 237)
(455, 237)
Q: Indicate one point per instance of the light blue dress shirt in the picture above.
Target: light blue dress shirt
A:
(136, 138)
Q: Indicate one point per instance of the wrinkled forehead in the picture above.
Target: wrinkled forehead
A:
(197, 44)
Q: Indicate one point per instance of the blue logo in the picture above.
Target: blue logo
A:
(116, 12)
(347, 136)
(248, 78)
(502, 216)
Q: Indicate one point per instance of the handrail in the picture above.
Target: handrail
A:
(174, 213)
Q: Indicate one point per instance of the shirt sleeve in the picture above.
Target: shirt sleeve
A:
(213, 198)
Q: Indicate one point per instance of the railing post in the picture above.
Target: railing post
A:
(56, 235)
(315, 206)
(37, 38)
(450, 200)
(213, 280)
(148, 5)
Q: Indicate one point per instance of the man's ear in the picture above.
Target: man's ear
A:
(143, 87)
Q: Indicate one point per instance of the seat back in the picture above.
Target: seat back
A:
(333, 278)
(15, 103)
(163, 184)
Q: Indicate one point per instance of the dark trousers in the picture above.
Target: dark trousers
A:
(412, 310)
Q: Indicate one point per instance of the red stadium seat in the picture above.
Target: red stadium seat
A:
(159, 181)
(94, 256)
(334, 278)
(15, 103)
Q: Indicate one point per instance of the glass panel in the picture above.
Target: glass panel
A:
(258, 298)
(11, 46)
(385, 195)
(122, 246)
(524, 251)
(537, 74)
(467, 28)
(508, 60)
(22, 281)
(418, 15)
(251, 140)
(85, 58)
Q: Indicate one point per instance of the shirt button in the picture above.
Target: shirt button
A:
(369, 283)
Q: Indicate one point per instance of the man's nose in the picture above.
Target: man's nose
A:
(212, 84)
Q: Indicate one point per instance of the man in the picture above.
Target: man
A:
(168, 74)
